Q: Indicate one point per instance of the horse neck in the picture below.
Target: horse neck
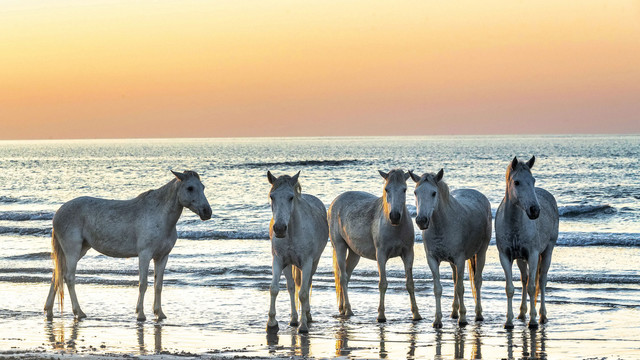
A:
(446, 209)
(513, 214)
(166, 198)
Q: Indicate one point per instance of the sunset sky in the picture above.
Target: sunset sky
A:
(107, 69)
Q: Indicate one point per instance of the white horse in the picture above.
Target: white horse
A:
(526, 231)
(377, 228)
(144, 227)
(455, 227)
(299, 233)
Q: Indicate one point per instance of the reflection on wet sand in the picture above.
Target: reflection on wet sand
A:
(533, 343)
(157, 338)
(299, 344)
(55, 331)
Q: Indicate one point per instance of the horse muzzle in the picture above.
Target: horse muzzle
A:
(280, 230)
(205, 213)
(533, 212)
(422, 222)
(395, 217)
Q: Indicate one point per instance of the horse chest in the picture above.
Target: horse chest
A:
(286, 251)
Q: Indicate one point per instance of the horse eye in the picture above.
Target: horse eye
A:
(290, 198)
(516, 183)
(433, 194)
(404, 190)
(190, 188)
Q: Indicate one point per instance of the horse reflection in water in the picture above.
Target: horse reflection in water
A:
(459, 343)
(533, 343)
(57, 337)
(299, 345)
(157, 338)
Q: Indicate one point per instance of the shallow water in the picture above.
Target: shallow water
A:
(216, 285)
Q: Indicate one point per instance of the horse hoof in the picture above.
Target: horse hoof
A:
(462, 323)
(293, 324)
(142, 318)
(80, 315)
(533, 325)
(273, 328)
(303, 330)
(454, 315)
(160, 316)
(522, 317)
(417, 317)
(382, 319)
(543, 320)
(437, 325)
(508, 326)
(479, 318)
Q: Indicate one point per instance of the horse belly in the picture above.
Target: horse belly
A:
(111, 245)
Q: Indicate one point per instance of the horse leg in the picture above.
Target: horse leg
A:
(272, 324)
(531, 288)
(524, 277)
(456, 306)
(340, 272)
(48, 305)
(158, 276)
(477, 281)
(291, 288)
(507, 265)
(303, 295)
(73, 252)
(544, 268)
(381, 258)
(313, 271)
(434, 265)
(459, 291)
(407, 259)
(143, 268)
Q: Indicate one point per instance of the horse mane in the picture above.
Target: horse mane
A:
(522, 166)
(443, 188)
(285, 179)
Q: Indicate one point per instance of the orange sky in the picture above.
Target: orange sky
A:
(106, 69)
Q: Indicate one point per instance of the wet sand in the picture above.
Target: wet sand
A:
(215, 322)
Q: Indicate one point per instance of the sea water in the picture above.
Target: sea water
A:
(218, 275)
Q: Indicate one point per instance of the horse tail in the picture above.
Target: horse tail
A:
(537, 280)
(297, 279)
(59, 268)
(336, 275)
(472, 274)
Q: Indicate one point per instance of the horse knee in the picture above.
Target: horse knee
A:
(510, 289)
(382, 286)
(274, 291)
(437, 290)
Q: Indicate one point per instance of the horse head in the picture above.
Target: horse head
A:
(284, 189)
(428, 189)
(521, 187)
(191, 194)
(394, 194)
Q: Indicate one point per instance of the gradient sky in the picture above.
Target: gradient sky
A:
(107, 69)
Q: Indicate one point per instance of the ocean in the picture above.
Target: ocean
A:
(227, 260)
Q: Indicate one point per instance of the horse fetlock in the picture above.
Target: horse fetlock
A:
(454, 314)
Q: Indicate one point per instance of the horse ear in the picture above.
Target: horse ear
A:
(514, 163)
(294, 179)
(440, 175)
(383, 174)
(407, 175)
(415, 177)
(271, 178)
(531, 161)
(178, 175)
